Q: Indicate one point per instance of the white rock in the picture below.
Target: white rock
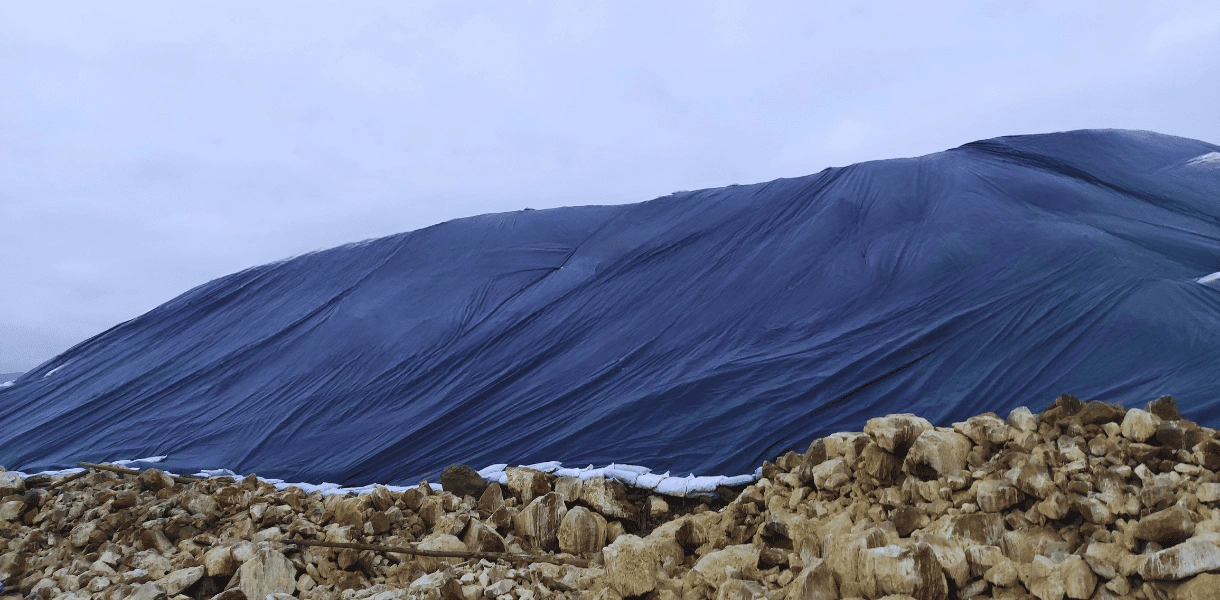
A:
(1139, 425)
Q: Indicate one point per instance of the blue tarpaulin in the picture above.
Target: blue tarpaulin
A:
(699, 332)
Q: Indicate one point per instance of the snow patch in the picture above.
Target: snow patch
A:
(1209, 159)
(151, 459)
(6, 384)
(55, 370)
(1213, 279)
(632, 475)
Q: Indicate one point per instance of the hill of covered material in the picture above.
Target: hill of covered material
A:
(699, 332)
(1085, 500)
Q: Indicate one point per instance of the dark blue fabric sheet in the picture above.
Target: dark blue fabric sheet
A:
(700, 332)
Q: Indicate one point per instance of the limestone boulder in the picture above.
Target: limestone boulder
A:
(582, 531)
(609, 498)
(179, 580)
(11, 483)
(1166, 527)
(715, 567)
(1187, 559)
(937, 453)
(539, 521)
(1139, 425)
(439, 541)
(631, 565)
(896, 433)
(815, 582)
(267, 572)
(219, 562)
(527, 484)
(996, 495)
(461, 480)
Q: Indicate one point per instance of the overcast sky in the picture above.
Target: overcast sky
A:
(146, 148)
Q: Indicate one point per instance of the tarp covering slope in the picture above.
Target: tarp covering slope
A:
(700, 332)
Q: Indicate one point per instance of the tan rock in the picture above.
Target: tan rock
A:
(179, 580)
(267, 572)
(155, 479)
(815, 582)
(1204, 586)
(631, 566)
(1166, 527)
(882, 465)
(11, 510)
(1179, 562)
(539, 521)
(1078, 579)
(984, 429)
(831, 474)
(570, 488)
(350, 511)
(439, 541)
(81, 534)
(1040, 577)
(736, 589)
(609, 498)
(938, 452)
(155, 540)
(896, 570)
(582, 531)
(527, 484)
(1021, 419)
(219, 562)
(1208, 492)
(658, 508)
(481, 537)
(714, 567)
(996, 495)
(896, 433)
(1139, 425)
(11, 483)
(381, 498)
(491, 500)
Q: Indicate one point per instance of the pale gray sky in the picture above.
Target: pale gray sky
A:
(146, 148)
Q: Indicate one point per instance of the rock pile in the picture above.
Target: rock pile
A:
(1085, 500)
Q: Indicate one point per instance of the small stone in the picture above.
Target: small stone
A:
(461, 480)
